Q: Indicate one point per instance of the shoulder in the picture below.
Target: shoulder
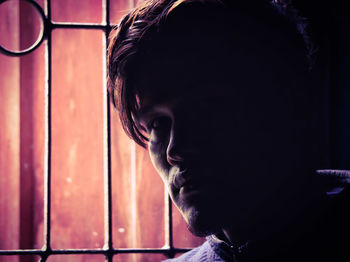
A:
(203, 253)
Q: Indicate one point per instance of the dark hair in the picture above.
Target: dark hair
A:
(125, 41)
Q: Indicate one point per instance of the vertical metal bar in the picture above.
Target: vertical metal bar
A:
(109, 255)
(170, 219)
(48, 132)
(133, 192)
(166, 218)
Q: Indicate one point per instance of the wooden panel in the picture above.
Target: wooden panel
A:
(32, 148)
(9, 25)
(87, 11)
(123, 230)
(76, 258)
(32, 129)
(9, 151)
(151, 201)
(22, 135)
(139, 258)
(77, 139)
(118, 8)
(138, 194)
(20, 258)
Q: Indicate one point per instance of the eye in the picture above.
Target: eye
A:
(159, 123)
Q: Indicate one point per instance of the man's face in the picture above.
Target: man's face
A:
(225, 134)
(186, 128)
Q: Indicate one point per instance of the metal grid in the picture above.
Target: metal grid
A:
(108, 250)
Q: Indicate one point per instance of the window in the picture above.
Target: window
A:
(73, 187)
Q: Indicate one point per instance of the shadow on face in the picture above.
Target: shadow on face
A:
(228, 122)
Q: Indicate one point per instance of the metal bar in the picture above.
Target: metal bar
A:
(47, 247)
(63, 25)
(170, 217)
(92, 251)
(109, 255)
(21, 252)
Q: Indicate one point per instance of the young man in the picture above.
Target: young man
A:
(220, 92)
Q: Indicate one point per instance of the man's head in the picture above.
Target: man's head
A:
(218, 91)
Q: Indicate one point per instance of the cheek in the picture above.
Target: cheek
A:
(158, 158)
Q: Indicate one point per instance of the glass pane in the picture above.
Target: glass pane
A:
(20, 25)
(139, 257)
(118, 8)
(22, 149)
(138, 194)
(77, 139)
(23, 258)
(183, 238)
(76, 258)
(87, 11)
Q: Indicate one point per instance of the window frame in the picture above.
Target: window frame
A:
(108, 250)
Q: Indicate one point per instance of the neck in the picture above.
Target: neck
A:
(276, 234)
(232, 238)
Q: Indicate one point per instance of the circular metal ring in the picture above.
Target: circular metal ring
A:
(40, 38)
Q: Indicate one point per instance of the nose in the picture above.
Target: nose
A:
(174, 152)
(181, 148)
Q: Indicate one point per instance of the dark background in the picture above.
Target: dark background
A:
(331, 29)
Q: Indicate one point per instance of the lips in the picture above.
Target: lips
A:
(180, 179)
(186, 184)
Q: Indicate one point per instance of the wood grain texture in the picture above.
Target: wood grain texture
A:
(87, 11)
(77, 140)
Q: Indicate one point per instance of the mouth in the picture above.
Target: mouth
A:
(180, 179)
(187, 187)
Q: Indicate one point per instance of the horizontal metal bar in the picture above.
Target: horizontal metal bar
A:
(92, 251)
(22, 252)
(150, 250)
(54, 25)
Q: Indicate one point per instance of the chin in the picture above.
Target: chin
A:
(201, 222)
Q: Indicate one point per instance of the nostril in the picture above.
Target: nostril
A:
(174, 152)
